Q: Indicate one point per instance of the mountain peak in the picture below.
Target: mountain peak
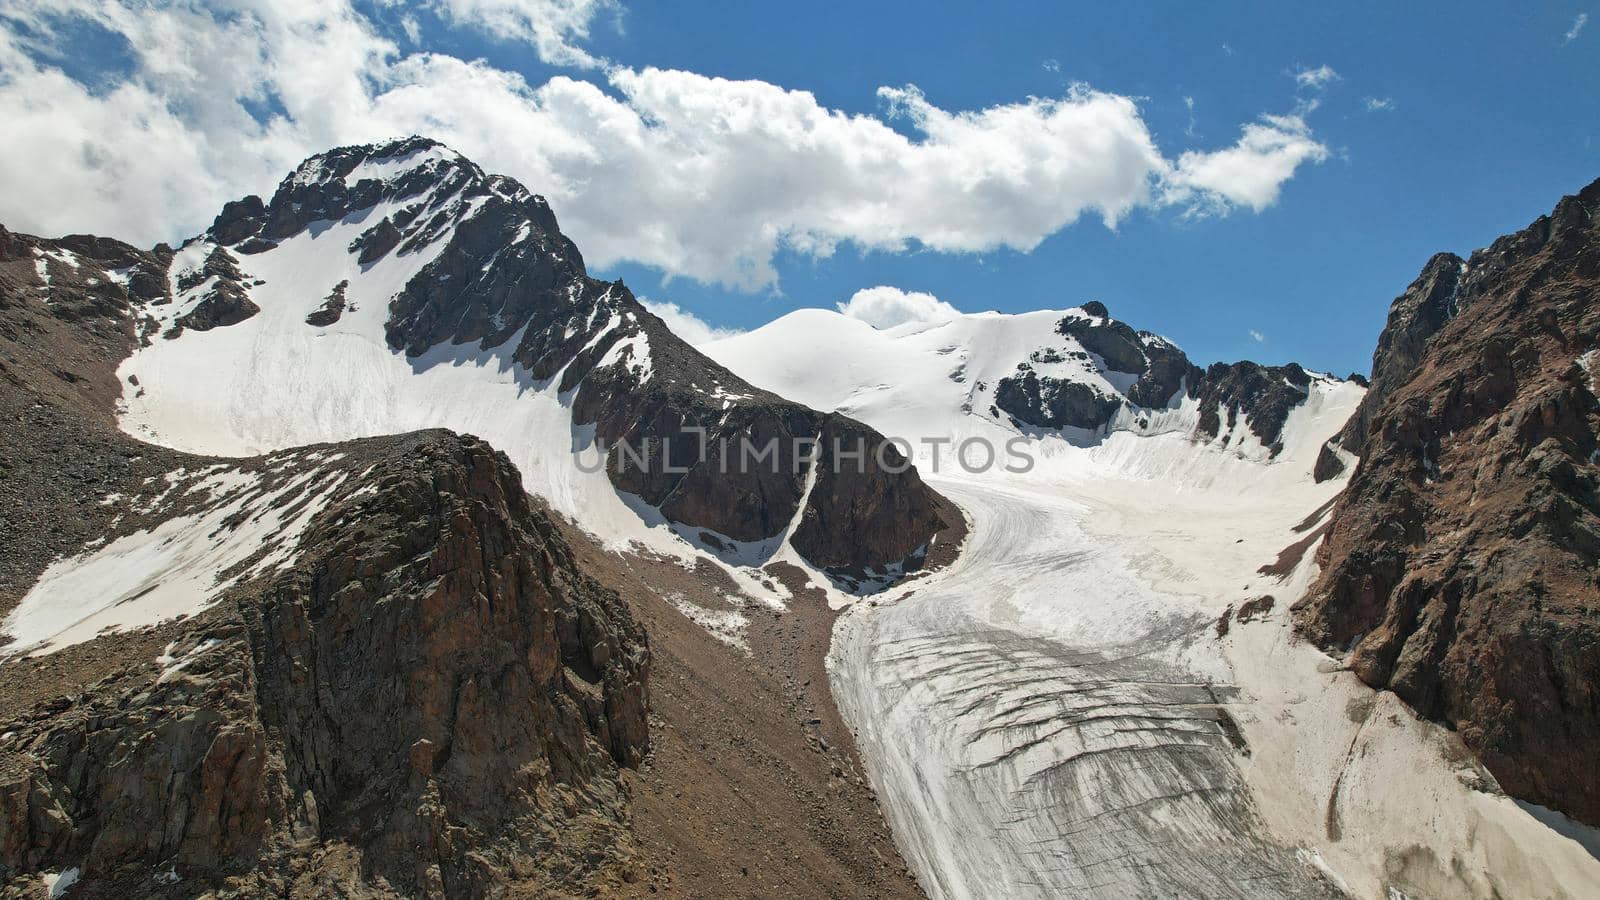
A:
(423, 186)
(382, 160)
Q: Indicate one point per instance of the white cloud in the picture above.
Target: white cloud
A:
(885, 307)
(1051, 65)
(1251, 172)
(686, 324)
(700, 177)
(1257, 336)
(1378, 104)
(1576, 29)
(1317, 78)
(551, 26)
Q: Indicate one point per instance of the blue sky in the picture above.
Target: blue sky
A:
(1494, 118)
(1442, 128)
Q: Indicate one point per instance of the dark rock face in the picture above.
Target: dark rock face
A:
(238, 220)
(142, 771)
(146, 269)
(1265, 394)
(1054, 403)
(1414, 318)
(465, 670)
(226, 303)
(1462, 565)
(331, 308)
(853, 490)
(376, 242)
(506, 270)
(1328, 466)
(1168, 373)
(1116, 343)
(1162, 368)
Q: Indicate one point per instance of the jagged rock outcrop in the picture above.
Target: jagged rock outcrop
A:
(1060, 397)
(1054, 402)
(1054, 399)
(1328, 465)
(1462, 566)
(860, 480)
(1414, 318)
(447, 686)
(432, 685)
(1264, 395)
(331, 309)
(225, 301)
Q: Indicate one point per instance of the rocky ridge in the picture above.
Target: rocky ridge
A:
(425, 696)
(1146, 374)
(1460, 567)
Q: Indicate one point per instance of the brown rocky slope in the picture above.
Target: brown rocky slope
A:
(430, 698)
(1462, 566)
(384, 718)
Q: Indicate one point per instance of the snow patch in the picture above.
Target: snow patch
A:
(176, 568)
(726, 625)
(386, 167)
(58, 884)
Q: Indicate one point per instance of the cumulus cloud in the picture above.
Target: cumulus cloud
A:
(1576, 29)
(1317, 78)
(1378, 104)
(1257, 336)
(700, 177)
(552, 27)
(885, 307)
(686, 324)
(1251, 172)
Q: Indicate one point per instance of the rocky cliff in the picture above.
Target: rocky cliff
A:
(1414, 318)
(1462, 565)
(389, 676)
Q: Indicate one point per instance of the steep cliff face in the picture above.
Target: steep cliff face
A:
(367, 668)
(432, 687)
(450, 691)
(448, 261)
(1414, 318)
(1462, 566)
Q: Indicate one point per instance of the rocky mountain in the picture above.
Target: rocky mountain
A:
(366, 668)
(1460, 567)
(266, 627)
(398, 286)
(1077, 374)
